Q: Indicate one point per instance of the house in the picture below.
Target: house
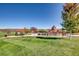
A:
(35, 32)
(15, 31)
(54, 31)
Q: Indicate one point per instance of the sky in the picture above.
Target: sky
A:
(39, 15)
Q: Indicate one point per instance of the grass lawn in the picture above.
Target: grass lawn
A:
(31, 46)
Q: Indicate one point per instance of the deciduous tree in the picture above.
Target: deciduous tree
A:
(70, 16)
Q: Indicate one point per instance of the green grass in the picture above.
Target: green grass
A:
(2, 34)
(32, 46)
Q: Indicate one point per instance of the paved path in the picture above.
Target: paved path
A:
(72, 36)
(32, 36)
(9, 37)
(18, 36)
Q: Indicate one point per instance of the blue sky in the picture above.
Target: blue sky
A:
(30, 15)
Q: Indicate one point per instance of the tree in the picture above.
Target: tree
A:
(33, 29)
(70, 15)
(53, 27)
(26, 30)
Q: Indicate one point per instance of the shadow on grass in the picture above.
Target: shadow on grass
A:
(50, 38)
